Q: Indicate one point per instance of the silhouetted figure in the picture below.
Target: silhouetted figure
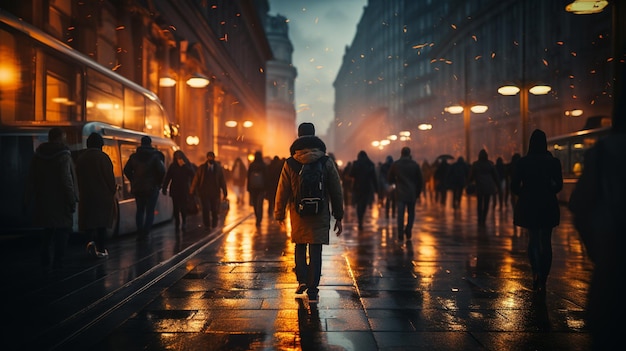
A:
(386, 190)
(510, 169)
(440, 176)
(209, 183)
(365, 184)
(406, 174)
(145, 169)
(54, 194)
(429, 181)
(598, 204)
(96, 185)
(536, 180)
(483, 174)
(258, 180)
(457, 180)
(178, 178)
(239, 176)
(273, 170)
(310, 232)
(501, 171)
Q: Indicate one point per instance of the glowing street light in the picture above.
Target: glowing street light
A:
(510, 90)
(456, 109)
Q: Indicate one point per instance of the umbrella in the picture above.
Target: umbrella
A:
(445, 157)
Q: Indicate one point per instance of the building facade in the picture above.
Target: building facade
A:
(447, 53)
(160, 45)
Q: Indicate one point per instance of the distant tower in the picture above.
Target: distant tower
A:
(281, 75)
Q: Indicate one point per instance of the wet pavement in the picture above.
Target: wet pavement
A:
(455, 286)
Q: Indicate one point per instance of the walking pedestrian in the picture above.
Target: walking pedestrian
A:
(309, 233)
(258, 180)
(239, 176)
(483, 174)
(178, 179)
(598, 204)
(145, 169)
(273, 170)
(53, 192)
(209, 183)
(441, 175)
(96, 186)
(365, 184)
(386, 190)
(501, 172)
(458, 174)
(537, 180)
(407, 176)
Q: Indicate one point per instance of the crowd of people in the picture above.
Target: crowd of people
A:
(528, 184)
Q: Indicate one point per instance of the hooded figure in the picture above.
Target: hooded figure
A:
(536, 180)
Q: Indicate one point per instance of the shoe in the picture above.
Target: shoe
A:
(301, 289)
(102, 254)
(313, 298)
(91, 248)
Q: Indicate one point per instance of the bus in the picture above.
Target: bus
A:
(45, 83)
(570, 150)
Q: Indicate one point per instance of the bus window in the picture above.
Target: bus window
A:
(125, 151)
(17, 69)
(134, 110)
(104, 99)
(114, 155)
(62, 93)
(154, 119)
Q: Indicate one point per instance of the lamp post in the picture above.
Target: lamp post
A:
(456, 109)
(523, 90)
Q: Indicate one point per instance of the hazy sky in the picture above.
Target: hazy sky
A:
(319, 30)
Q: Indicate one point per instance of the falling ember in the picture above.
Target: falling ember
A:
(474, 37)
(453, 26)
(573, 53)
(610, 59)
(545, 62)
(71, 28)
(116, 67)
(316, 20)
(559, 43)
(493, 55)
(478, 57)
(515, 42)
(261, 69)
(319, 67)
(120, 27)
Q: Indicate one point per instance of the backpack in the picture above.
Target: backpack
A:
(310, 188)
(257, 181)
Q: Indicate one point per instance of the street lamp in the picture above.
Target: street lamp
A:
(456, 109)
(523, 90)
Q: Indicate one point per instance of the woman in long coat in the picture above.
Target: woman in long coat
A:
(96, 188)
(536, 180)
(178, 178)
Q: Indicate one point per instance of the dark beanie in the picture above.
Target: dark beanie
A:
(306, 128)
(95, 140)
(146, 141)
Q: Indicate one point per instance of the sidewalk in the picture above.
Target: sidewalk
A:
(454, 287)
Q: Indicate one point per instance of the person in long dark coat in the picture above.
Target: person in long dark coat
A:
(537, 180)
(257, 191)
(457, 180)
(407, 176)
(483, 174)
(54, 194)
(209, 182)
(365, 184)
(178, 178)
(96, 185)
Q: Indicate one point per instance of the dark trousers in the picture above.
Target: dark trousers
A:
(482, 201)
(256, 200)
(180, 210)
(309, 272)
(53, 242)
(146, 204)
(210, 210)
(540, 254)
(409, 206)
(361, 206)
